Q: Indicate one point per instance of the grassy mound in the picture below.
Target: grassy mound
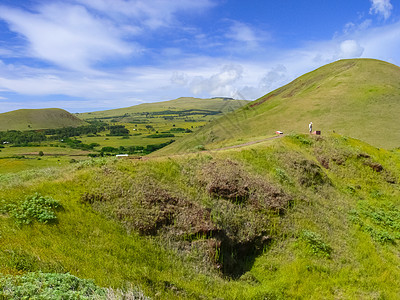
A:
(31, 119)
(356, 97)
(315, 216)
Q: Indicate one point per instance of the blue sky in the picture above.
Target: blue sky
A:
(86, 55)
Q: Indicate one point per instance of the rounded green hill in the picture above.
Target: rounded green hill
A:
(356, 97)
(29, 119)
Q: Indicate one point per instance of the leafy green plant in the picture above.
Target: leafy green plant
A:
(34, 208)
(282, 176)
(316, 244)
(40, 285)
(301, 139)
(382, 224)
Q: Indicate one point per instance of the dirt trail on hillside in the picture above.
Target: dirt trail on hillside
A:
(248, 143)
(214, 150)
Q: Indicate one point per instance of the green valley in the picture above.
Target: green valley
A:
(139, 131)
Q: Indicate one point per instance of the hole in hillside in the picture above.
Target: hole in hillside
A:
(237, 258)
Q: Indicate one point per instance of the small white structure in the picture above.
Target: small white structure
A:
(121, 155)
(278, 132)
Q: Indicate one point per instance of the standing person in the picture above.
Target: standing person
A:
(310, 127)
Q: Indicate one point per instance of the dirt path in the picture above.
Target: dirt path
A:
(248, 143)
(213, 150)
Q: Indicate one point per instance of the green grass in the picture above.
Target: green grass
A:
(356, 97)
(32, 119)
(15, 159)
(313, 248)
(116, 141)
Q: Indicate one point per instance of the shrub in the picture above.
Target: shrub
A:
(301, 139)
(227, 179)
(310, 174)
(34, 208)
(316, 244)
(49, 286)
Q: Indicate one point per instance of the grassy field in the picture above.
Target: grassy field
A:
(15, 159)
(297, 217)
(31, 119)
(357, 98)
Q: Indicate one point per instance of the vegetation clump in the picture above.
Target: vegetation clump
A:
(40, 285)
(382, 224)
(316, 243)
(228, 180)
(310, 173)
(33, 208)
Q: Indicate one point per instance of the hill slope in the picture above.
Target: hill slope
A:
(181, 104)
(28, 119)
(358, 97)
(299, 217)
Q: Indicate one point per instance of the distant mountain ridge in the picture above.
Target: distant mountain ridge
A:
(30, 119)
(222, 104)
(359, 98)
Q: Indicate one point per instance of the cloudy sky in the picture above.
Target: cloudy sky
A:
(86, 55)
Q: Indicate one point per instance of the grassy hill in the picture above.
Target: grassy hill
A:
(180, 105)
(30, 119)
(296, 217)
(357, 97)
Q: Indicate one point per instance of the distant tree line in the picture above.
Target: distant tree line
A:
(21, 137)
(77, 144)
(133, 149)
(118, 130)
(35, 136)
(66, 132)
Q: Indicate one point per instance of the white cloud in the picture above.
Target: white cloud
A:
(350, 49)
(66, 35)
(80, 34)
(381, 7)
(219, 84)
(246, 34)
(274, 78)
(242, 33)
(179, 78)
(151, 13)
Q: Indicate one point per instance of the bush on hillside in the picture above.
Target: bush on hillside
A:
(49, 286)
(38, 285)
(33, 208)
(316, 244)
(228, 180)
